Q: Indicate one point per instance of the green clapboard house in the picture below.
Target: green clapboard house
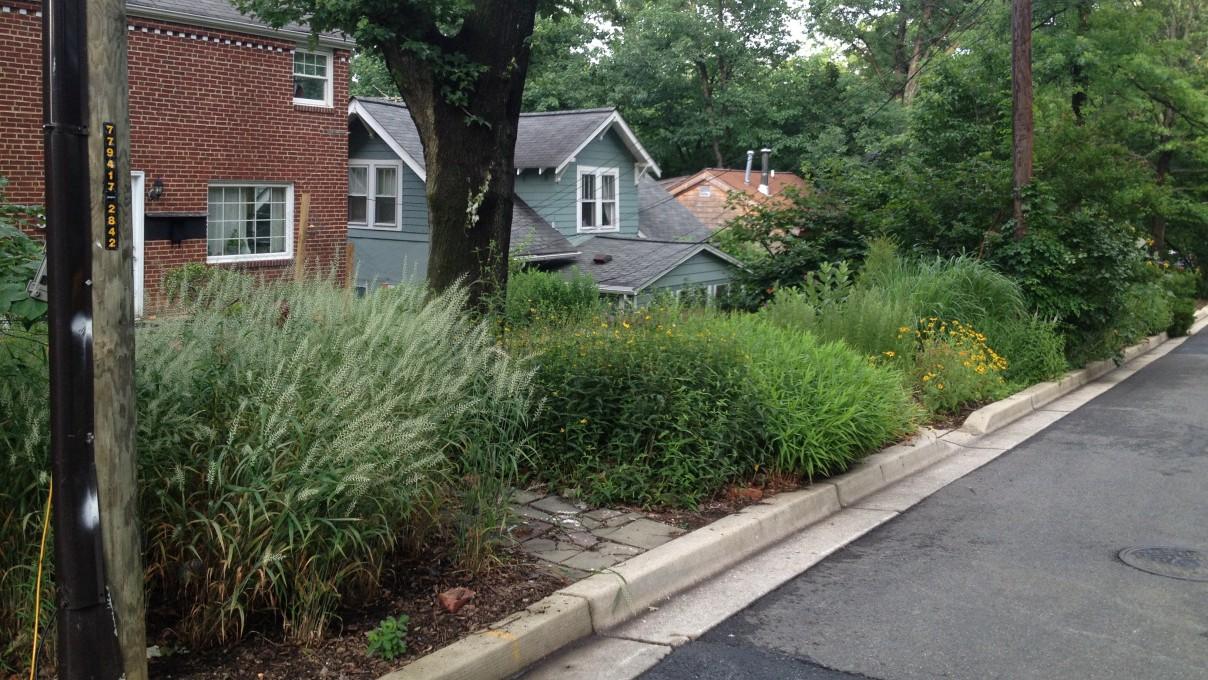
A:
(585, 199)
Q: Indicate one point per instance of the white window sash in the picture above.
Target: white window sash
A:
(371, 192)
(598, 201)
(327, 80)
(287, 254)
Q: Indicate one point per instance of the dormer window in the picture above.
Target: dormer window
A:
(312, 78)
(598, 205)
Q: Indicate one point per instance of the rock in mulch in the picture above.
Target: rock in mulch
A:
(454, 599)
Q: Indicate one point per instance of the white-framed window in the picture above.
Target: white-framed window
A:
(312, 78)
(250, 221)
(373, 194)
(599, 205)
(706, 191)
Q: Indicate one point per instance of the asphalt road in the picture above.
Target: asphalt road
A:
(1012, 571)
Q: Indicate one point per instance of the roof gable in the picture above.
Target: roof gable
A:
(662, 218)
(629, 265)
(735, 180)
(543, 140)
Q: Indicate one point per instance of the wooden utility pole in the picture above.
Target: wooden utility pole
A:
(113, 328)
(97, 563)
(1021, 111)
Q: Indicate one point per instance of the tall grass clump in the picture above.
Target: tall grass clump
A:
(24, 483)
(292, 436)
(534, 295)
(824, 406)
(885, 310)
(963, 288)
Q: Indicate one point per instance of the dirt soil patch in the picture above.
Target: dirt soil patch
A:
(411, 589)
(732, 499)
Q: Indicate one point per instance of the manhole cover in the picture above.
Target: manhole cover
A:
(1181, 563)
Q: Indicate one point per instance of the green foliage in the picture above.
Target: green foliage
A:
(1077, 268)
(389, 640)
(292, 438)
(20, 257)
(23, 487)
(534, 295)
(1147, 310)
(665, 406)
(369, 77)
(824, 406)
(954, 367)
(923, 317)
(287, 433)
(639, 409)
(1033, 345)
(1182, 287)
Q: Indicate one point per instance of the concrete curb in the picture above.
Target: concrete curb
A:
(1001, 413)
(508, 646)
(614, 596)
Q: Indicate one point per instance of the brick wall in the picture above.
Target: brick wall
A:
(711, 210)
(205, 105)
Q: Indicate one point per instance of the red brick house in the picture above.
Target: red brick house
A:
(232, 122)
(706, 192)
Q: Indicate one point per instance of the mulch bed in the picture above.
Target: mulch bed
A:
(732, 499)
(411, 589)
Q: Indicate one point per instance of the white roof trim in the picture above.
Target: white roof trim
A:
(549, 256)
(704, 248)
(617, 290)
(355, 108)
(248, 26)
(627, 136)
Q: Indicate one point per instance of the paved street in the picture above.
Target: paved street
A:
(1011, 571)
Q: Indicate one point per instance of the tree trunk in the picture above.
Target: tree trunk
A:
(1021, 113)
(901, 62)
(706, 89)
(469, 141)
(1078, 74)
(1162, 167)
(916, 56)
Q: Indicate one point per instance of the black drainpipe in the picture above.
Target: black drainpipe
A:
(87, 639)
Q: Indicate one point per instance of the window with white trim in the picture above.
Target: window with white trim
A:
(373, 194)
(312, 78)
(599, 205)
(249, 222)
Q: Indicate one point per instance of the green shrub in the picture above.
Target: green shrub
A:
(1032, 346)
(1182, 286)
(1076, 268)
(1145, 310)
(639, 409)
(824, 406)
(389, 639)
(535, 295)
(287, 433)
(20, 257)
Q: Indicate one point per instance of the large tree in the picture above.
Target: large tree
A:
(460, 66)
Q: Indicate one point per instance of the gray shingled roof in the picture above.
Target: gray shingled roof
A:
(396, 120)
(635, 264)
(662, 218)
(533, 237)
(219, 13)
(543, 140)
